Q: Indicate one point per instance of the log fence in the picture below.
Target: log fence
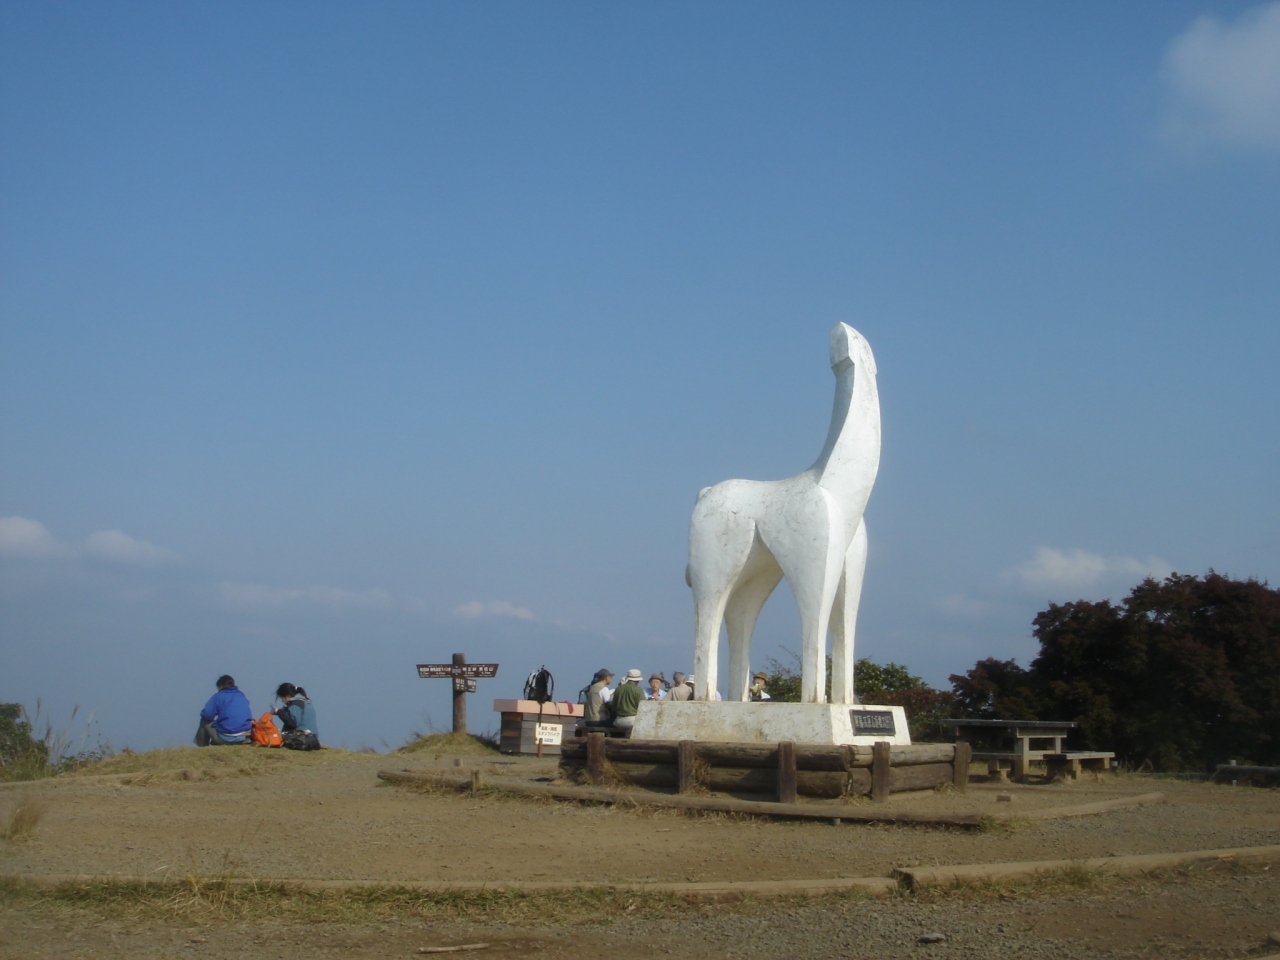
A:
(785, 770)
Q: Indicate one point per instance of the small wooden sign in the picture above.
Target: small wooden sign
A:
(872, 723)
(436, 671)
(549, 733)
(464, 685)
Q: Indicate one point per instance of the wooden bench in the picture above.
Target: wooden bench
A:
(1024, 741)
(1069, 764)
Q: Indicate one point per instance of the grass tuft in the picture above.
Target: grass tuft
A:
(23, 818)
(469, 744)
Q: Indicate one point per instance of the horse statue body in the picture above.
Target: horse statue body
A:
(746, 535)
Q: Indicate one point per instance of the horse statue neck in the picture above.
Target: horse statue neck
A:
(847, 465)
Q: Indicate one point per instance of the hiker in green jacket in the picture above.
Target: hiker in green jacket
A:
(626, 699)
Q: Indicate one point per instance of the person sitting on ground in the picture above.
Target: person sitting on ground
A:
(758, 682)
(296, 711)
(626, 700)
(226, 719)
(594, 714)
(680, 688)
(657, 688)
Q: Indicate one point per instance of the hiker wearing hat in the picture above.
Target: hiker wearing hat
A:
(594, 713)
(657, 688)
(681, 687)
(626, 700)
(758, 681)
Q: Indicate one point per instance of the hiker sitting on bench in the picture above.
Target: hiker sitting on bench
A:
(595, 713)
(626, 701)
(226, 719)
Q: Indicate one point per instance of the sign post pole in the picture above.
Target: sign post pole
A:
(464, 676)
(459, 699)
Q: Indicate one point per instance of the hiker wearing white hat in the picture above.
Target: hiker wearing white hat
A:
(626, 700)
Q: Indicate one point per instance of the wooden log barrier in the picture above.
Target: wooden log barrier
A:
(784, 770)
(809, 783)
(809, 756)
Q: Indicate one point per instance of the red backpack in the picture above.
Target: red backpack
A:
(265, 734)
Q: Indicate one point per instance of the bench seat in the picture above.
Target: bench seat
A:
(1068, 764)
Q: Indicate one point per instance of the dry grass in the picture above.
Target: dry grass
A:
(209, 763)
(451, 744)
(24, 817)
(220, 899)
(1075, 878)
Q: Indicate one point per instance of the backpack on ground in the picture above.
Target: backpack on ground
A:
(298, 739)
(540, 686)
(265, 734)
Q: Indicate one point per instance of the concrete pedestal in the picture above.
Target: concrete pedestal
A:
(770, 722)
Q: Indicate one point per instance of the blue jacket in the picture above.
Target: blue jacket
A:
(229, 711)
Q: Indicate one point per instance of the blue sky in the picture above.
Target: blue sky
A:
(338, 337)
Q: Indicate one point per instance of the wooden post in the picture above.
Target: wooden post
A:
(880, 771)
(595, 758)
(786, 772)
(686, 755)
(964, 753)
(459, 699)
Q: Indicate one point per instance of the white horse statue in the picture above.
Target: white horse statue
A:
(746, 535)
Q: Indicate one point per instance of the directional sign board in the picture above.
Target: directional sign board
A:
(464, 685)
(432, 671)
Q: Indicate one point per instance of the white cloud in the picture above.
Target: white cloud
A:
(1078, 570)
(1224, 80)
(114, 545)
(494, 608)
(260, 595)
(29, 539)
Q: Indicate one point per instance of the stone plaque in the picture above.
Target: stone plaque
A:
(872, 723)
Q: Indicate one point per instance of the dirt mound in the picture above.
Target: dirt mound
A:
(451, 744)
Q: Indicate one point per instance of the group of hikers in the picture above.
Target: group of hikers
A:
(227, 719)
(615, 708)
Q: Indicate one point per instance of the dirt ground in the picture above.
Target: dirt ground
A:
(277, 815)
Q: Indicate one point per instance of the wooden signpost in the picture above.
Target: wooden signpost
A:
(464, 677)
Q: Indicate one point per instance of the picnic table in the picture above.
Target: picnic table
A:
(1016, 747)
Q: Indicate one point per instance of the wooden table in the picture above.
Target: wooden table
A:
(1016, 738)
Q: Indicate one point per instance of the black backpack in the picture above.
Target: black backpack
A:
(301, 740)
(540, 686)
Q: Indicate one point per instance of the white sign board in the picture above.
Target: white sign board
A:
(548, 733)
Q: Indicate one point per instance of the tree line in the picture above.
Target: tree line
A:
(1182, 674)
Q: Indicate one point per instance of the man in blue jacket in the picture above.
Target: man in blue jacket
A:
(226, 718)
